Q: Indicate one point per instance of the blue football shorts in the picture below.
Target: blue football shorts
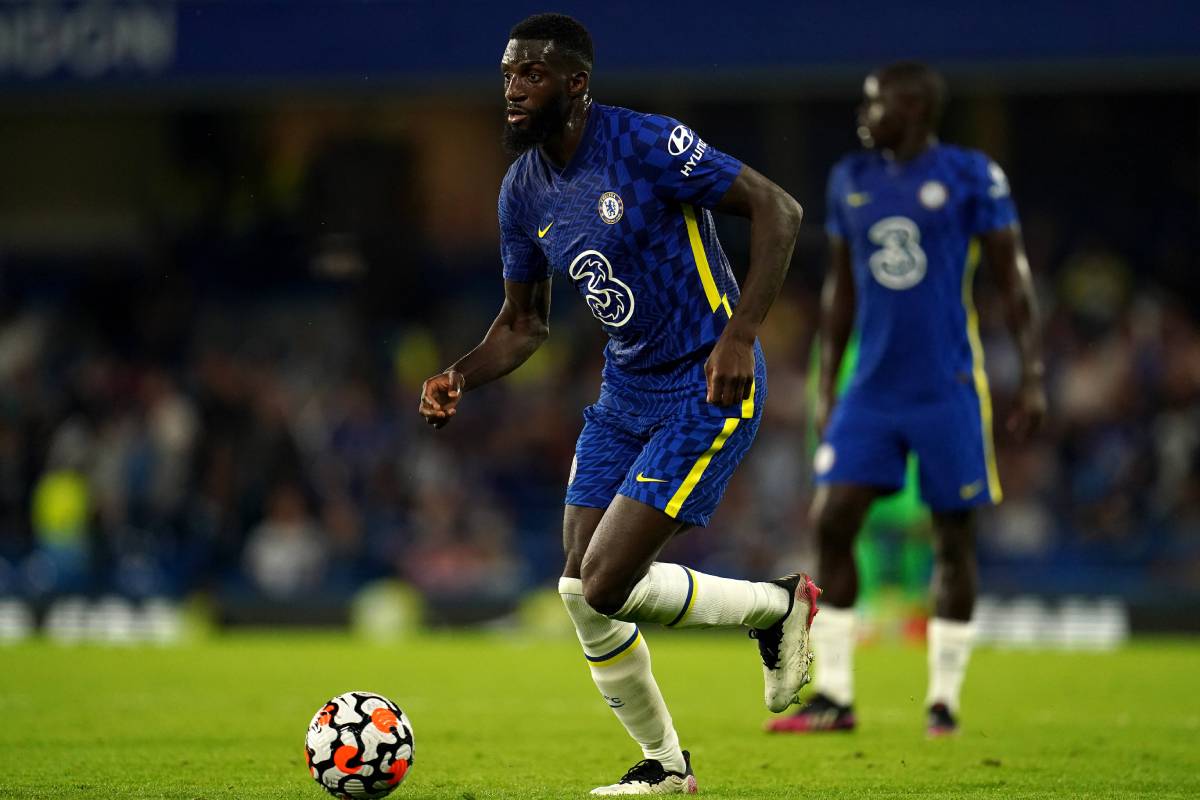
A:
(673, 452)
(868, 444)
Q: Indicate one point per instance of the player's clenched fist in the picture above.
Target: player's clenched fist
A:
(439, 397)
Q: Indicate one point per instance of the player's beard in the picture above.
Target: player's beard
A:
(539, 127)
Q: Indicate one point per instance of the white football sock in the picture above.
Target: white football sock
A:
(676, 596)
(949, 651)
(833, 640)
(620, 663)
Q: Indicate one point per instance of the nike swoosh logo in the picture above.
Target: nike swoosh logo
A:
(543, 231)
(970, 490)
(643, 479)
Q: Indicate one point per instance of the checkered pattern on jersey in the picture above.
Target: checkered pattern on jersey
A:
(638, 273)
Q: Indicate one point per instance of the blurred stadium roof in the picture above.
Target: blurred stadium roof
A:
(197, 44)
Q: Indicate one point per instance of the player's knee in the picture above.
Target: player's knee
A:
(605, 595)
(604, 600)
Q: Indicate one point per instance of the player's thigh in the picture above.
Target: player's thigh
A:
(685, 468)
(863, 447)
(954, 454)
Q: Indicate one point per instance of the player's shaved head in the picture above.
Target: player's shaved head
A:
(920, 80)
(570, 39)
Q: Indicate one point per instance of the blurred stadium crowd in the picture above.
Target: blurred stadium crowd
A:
(232, 407)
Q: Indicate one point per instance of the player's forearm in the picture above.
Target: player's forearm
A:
(833, 336)
(1024, 323)
(837, 315)
(508, 344)
(1006, 251)
(774, 225)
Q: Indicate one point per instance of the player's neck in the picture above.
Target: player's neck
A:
(559, 149)
(912, 147)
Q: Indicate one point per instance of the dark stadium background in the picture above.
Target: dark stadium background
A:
(235, 236)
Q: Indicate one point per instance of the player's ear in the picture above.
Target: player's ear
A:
(577, 84)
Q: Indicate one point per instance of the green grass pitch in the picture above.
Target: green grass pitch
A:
(511, 716)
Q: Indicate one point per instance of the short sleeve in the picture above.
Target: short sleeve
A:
(523, 260)
(991, 206)
(835, 221)
(679, 165)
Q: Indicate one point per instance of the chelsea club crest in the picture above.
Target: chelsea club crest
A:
(610, 207)
(933, 195)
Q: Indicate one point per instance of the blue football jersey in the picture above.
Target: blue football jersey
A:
(626, 221)
(911, 230)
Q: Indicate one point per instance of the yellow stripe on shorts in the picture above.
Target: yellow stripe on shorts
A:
(697, 471)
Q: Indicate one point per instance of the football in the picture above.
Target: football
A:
(359, 745)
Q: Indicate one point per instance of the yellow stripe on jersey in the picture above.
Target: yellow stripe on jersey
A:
(697, 471)
(715, 299)
(981, 381)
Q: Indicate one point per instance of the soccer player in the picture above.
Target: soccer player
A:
(618, 203)
(907, 221)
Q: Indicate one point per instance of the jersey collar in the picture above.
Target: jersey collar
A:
(902, 167)
(582, 154)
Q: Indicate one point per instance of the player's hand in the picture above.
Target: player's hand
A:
(1029, 410)
(729, 369)
(439, 397)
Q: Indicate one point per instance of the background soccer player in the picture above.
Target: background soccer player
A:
(617, 202)
(907, 221)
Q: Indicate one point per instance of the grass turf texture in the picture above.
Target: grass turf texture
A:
(498, 717)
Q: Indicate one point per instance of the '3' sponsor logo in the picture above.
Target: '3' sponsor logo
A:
(610, 299)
